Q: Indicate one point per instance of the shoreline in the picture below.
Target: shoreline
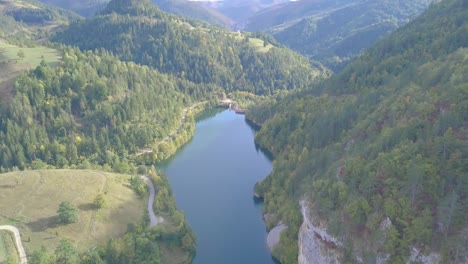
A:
(273, 237)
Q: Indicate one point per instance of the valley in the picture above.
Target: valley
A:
(353, 142)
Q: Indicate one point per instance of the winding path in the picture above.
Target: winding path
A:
(154, 219)
(19, 244)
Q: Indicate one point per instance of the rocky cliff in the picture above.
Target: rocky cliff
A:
(316, 246)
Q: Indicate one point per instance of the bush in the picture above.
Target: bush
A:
(142, 170)
(138, 185)
(67, 213)
(100, 201)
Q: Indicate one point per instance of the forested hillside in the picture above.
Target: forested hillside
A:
(333, 32)
(82, 7)
(379, 151)
(91, 109)
(24, 21)
(137, 31)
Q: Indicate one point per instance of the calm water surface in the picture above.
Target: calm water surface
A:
(213, 178)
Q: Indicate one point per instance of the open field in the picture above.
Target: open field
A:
(7, 247)
(254, 42)
(11, 65)
(30, 199)
(32, 58)
(258, 44)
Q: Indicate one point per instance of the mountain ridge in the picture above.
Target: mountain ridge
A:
(333, 32)
(198, 52)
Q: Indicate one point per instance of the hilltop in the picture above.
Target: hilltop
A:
(138, 31)
(26, 20)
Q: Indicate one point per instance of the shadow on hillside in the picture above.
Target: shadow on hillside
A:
(7, 186)
(86, 207)
(42, 224)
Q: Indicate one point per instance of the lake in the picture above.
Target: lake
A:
(212, 178)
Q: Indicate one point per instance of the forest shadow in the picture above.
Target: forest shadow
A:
(8, 186)
(86, 207)
(44, 223)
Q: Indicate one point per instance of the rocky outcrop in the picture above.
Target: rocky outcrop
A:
(316, 246)
(418, 257)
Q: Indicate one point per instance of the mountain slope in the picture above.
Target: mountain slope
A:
(26, 20)
(194, 10)
(240, 10)
(378, 152)
(138, 31)
(83, 7)
(189, 9)
(334, 31)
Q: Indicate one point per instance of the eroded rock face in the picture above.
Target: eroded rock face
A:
(316, 246)
(418, 257)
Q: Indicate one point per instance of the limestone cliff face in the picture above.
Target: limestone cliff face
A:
(316, 246)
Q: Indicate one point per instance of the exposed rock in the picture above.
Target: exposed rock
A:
(418, 257)
(386, 224)
(316, 246)
(382, 258)
(273, 237)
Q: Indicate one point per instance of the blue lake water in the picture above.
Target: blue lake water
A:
(212, 178)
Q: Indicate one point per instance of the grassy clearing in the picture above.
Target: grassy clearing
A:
(32, 58)
(253, 42)
(30, 200)
(11, 65)
(7, 247)
(258, 44)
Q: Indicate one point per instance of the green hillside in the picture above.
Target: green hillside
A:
(137, 31)
(25, 21)
(333, 32)
(91, 108)
(194, 10)
(189, 9)
(82, 7)
(384, 139)
(117, 232)
(36, 215)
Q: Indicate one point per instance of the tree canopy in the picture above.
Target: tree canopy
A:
(384, 139)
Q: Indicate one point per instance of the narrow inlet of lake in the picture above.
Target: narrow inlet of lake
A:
(212, 178)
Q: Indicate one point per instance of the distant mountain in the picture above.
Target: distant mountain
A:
(195, 10)
(240, 10)
(24, 20)
(82, 7)
(334, 31)
(186, 8)
(136, 30)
